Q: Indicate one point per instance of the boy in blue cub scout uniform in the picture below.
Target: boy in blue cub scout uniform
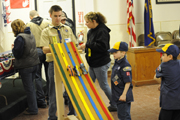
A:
(121, 81)
(169, 72)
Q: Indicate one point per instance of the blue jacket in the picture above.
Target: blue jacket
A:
(170, 84)
(121, 71)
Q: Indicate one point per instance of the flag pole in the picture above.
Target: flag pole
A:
(131, 31)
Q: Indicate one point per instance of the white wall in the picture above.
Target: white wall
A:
(115, 11)
(165, 16)
(22, 14)
(43, 7)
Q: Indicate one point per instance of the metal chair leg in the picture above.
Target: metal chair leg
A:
(13, 82)
(5, 99)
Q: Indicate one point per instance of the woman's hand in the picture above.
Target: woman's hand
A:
(12, 46)
(83, 46)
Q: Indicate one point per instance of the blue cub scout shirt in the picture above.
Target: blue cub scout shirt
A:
(121, 73)
(170, 84)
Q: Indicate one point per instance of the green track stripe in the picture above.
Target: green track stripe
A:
(68, 85)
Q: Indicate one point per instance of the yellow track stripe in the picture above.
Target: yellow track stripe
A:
(76, 85)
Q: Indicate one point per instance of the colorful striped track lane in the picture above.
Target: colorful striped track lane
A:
(104, 108)
(82, 82)
(66, 82)
(76, 85)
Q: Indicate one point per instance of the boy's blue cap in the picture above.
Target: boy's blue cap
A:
(119, 46)
(169, 49)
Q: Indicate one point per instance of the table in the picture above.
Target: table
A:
(144, 62)
(6, 68)
(6, 64)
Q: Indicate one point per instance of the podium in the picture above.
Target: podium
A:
(144, 62)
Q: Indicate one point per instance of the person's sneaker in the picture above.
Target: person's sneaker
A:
(29, 113)
(112, 109)
(44, 105)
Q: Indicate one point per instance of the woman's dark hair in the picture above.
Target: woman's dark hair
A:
(18, 26)
(100, 18)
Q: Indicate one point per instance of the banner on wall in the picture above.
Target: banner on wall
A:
(19, 4)
(80, 17)
(5, 12)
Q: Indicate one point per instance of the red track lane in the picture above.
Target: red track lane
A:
(91, 85)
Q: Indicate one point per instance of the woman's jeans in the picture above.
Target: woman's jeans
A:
(100, 73)
(28, 76)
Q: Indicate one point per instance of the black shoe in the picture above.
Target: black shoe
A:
(112, 109)
(29, 113)
(42, 105)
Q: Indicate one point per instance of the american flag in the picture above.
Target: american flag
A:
(131, 23)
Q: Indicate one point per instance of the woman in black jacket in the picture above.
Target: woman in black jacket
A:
(97, 56)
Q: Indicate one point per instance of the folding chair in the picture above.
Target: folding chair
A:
(141, 40)
(175, 34)
(163, 38)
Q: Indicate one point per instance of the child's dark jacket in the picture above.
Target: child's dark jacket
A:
(122, 71)
(170, 84)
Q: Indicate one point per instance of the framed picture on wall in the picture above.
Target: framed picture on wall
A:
(167, 1)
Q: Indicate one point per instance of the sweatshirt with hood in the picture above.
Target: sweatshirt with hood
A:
(97, 46)
(37, 24)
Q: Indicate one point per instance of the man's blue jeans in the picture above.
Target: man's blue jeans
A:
(100, 73)
(38, 80)
(52, 93)
(123, 110)
(28, 75)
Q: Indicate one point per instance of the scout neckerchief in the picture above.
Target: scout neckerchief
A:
(58, 30)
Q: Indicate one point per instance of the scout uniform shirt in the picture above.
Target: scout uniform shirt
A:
(50, 36)
(170, 84)
(37, 29)
(121, 74)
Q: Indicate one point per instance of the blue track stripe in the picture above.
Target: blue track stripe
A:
(67, 83)
(82, 82)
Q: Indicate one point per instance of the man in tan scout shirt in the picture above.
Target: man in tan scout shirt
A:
(50, 35)
(37, 24)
